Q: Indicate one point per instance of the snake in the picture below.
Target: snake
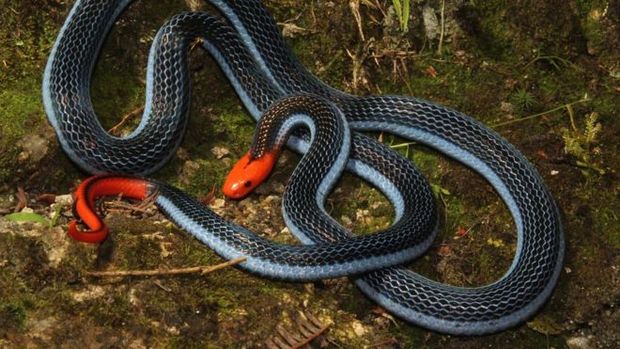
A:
(246, 43)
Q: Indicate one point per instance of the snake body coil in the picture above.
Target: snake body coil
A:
(254, 57)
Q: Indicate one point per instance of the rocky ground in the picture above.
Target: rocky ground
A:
(543, 74)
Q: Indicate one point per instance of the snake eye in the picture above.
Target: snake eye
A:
(247, 184)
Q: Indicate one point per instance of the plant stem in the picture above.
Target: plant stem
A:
(568, 105)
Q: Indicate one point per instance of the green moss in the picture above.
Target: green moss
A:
(116, 93)
(410, 337)
(232, 124)
(484, 22)
(20, 112)
(20, 106)
(12, 316)
(591, 12)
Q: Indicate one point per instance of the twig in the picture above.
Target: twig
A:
(22, 199)
(181, 271)
(142, 207)
(355, 9)
(125, 119)
(443, 27)
(119, 206)
(358, 68)
(568, 105)
(158, 284)
(394, 53)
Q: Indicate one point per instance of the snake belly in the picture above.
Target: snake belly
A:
(261, 68)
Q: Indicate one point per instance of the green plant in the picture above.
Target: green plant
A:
(523, 100)
(403, 10)
(582, 143)
(28, 217)
(12, 316)
(556, 62)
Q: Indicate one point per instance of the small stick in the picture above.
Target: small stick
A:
(126, 118)
(193, 270)
(142, 207)
(355, 9)
(443, 27)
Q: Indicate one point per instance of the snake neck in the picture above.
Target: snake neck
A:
(329, 146)
(289, 116)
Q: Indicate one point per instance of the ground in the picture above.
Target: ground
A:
(542, 74)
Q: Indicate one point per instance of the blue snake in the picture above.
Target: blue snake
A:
(268, 79)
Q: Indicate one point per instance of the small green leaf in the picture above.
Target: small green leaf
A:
(56, 215)
(405, 16)
(27, 217)
(398, 7)
(439, 190)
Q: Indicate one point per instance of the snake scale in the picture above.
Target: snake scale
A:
(249, 49)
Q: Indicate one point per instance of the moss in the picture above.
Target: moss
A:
(20, 106)
(12, 316)
(21, 111)
(485, 25)
(608, 221)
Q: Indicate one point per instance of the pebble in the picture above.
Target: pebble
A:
(218, 203)
(507, 107)
(27, 210)
(358, 328)
(34, 148)
(64, 200)
(220, 152)
(579, 343)
(92, 292)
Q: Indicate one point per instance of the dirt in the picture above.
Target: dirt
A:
(521, 68)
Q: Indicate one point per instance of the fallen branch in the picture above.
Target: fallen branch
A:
(158, 272)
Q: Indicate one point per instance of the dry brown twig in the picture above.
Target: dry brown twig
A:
(359, 73)
(443, 27)
(159, 272)
(132, 114)
(22, 199)
(142, 207)
(355, 8)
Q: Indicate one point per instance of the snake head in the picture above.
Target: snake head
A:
(247, 174)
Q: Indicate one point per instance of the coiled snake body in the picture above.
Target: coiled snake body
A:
(262, 70)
